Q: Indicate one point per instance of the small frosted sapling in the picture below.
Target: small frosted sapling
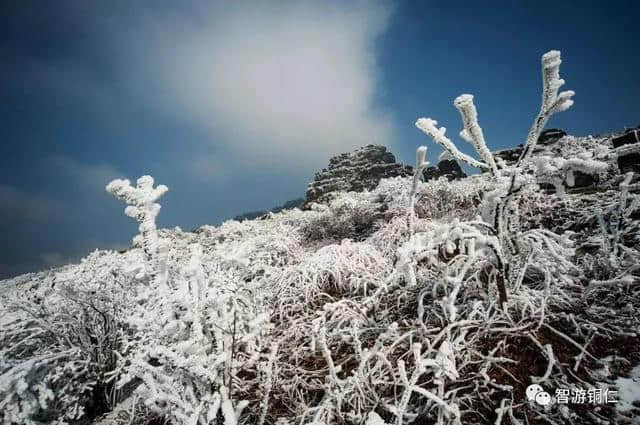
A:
(142, 206)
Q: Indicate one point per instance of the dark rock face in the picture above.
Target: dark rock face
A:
(547, 137)
(630, 161)
(509, 156)
(583, 180)
(365, 167)
(551, 135)
(356, 171)
(448, 168)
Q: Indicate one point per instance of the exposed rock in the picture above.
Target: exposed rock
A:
(362, 169)
(356, 171)
(509, 156)
(551, 135)
(448, 168)
(581, 179)
(631, 160)
(547, 137)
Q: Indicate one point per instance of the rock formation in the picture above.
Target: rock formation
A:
(356, 171)
(631, 160)
(363, 168)
(448, 168)
(547, 137)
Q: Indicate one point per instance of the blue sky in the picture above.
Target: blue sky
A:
(234, 106)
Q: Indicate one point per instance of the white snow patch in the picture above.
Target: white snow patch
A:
(375, 419)
(628, 390)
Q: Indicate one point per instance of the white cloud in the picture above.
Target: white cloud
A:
(270, 83)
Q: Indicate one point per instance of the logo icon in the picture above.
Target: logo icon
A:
(536, 393)
(543, 398)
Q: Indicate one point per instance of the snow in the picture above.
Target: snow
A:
(628, 390)
(375, 419)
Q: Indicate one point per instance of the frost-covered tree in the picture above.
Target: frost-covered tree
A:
(552, 102)
(142, 206)
(500, 205)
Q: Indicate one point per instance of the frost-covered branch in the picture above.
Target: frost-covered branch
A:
(552, 101)
(429, 126)
(421, 164)
(472, 132)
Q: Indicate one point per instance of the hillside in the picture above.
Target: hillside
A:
(412, 302)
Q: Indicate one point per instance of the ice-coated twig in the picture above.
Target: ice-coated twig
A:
(268, 383)
(550, 364)
(472, 132)
(552, 101)
(429, 126)
(421, 164)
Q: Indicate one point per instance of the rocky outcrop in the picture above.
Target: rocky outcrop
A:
(551, 135)
(625, 143)
(362, 170)
(547, 137)
(448, 168)
(356, 171)
(630, 139)
(365, 167)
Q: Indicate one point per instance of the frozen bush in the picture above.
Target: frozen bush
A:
(350, 215)
(333, 271)
(59, 350)
(193, 340)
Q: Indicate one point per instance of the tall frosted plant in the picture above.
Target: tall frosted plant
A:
(552, 102)
(498, 203)
(142, 206)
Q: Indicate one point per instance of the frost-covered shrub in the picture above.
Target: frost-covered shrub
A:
(188, 358)
(435, 199)
(349, 215)
(333, 271)
(500, 206)
(59, 348)
(421, 164)
(389, 236)
(440, 199)
(618, 233)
